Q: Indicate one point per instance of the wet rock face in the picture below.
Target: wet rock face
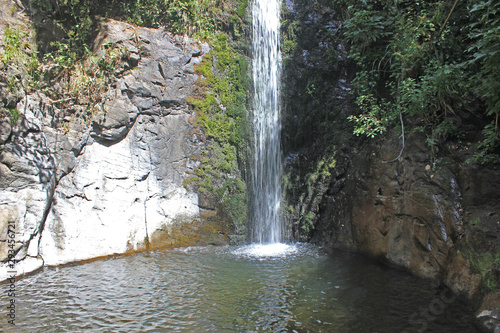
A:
(403, 211)
(439, 223)
(488, 314)
(411, 215)
(117, 185)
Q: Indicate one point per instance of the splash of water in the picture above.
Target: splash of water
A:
(263, 251)
(266, 120)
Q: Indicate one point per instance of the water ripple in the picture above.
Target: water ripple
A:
(228, 289)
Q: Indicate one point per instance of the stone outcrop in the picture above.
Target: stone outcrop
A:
(437, 222)
(115, 185)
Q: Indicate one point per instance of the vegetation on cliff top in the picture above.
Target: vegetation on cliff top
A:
(436, 63)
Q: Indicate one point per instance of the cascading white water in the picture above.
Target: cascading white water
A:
(266, 120)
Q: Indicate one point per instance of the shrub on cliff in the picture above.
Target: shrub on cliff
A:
(434, 62)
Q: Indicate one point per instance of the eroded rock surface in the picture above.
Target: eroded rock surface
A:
(488, 314)
(438, 222)
(114, 185)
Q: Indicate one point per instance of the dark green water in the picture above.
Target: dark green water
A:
(227, 289)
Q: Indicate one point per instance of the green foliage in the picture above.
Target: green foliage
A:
(373, 118)
(484, 264)
(323, 169)
(289, 27)
(221, 111)
(364, 28)
(19, 64)
(485, 54)
(485, 33)
(192, 17)
(486, 149)
(15, 114)
(18, 50)
(91, 78)
(222, 105)
(12, 47)
(426, 60)
(306, 222)
(78, 19)
(219, 177)
(242, 7)
(197, 18)
(316, 179)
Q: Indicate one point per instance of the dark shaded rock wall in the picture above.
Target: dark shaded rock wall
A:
(440, 223)
(432, 214)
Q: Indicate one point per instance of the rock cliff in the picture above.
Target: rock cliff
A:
(74, 188)
(432, 214)
(438, 223)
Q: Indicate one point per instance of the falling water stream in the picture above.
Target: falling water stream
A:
(266, 119)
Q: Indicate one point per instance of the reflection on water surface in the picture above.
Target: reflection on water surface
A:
(230, 289)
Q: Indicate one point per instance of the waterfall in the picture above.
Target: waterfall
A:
(266, 171)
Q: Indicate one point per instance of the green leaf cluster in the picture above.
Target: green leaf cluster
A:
(435, 62)
(178, 16)
(15, 114)
(77, 19)
(18, 65)
(220, 106)
(12, 48)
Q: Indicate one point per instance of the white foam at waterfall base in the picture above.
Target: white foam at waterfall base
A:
(266, 250)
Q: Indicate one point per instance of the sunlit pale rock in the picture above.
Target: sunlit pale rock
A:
(111, 185)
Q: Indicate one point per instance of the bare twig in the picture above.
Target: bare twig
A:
(402, 139)
(447, 19)
(62, 100)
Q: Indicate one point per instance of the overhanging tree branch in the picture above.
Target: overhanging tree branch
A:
(447, 19)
